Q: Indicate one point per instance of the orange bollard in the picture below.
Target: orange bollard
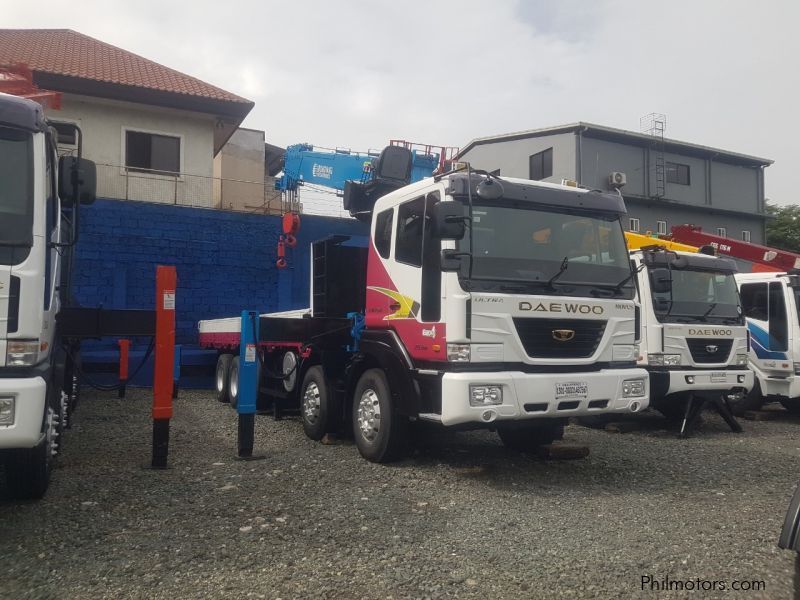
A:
(124, 349)
(166, 282)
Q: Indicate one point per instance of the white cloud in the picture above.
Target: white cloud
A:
(356, 73)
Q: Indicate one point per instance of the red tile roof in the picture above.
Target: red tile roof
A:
(71, 54)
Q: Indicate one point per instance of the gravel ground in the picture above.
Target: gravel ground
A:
(463, 517)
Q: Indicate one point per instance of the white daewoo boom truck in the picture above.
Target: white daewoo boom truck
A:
(476, 302)
(771, 304)
(37, 231)
(694, 338)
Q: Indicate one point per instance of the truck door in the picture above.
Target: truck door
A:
(764, 305)
(409, 299)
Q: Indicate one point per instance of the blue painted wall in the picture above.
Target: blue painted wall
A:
(225, 260)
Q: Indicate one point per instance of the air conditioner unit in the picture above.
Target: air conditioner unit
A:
(617, 180)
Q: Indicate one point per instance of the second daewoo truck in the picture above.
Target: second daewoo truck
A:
(694, 337)
(476, 302)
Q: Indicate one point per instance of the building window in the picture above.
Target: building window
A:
(662, 227)
(745, 235)
(678, 173)
(722, 232)
(67, 134)
(152, 152)
(633, 225)
(541, 165)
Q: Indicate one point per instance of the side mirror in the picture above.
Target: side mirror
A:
(661, 280)
(451, 260)
(86, 173)
(448, 220)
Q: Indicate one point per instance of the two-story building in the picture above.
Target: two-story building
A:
(664, 182)
(153, 131)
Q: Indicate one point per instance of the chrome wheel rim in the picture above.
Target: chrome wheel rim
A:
(369, 415)
(220, 379)
(234, 384)
(311, 402)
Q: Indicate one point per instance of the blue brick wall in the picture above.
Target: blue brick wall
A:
(225, 260)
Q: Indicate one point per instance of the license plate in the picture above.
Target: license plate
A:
(572, 389)
(718, 377)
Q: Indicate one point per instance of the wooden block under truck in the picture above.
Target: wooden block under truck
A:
(476, 302)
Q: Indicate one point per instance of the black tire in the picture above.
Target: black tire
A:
(385, 433)
(531, 436)
(221, 377)
(233, 383)
(317, 407)
(28, 472)
(753, 400)
(792, 405)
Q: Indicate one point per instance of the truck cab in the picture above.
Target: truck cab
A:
(694, 338)
(35, 242)
(770, 303)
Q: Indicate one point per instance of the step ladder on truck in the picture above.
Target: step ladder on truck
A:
(694, 337)
(770, 294)
(476, 302)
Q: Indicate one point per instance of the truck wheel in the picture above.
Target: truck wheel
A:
(316, 404)
(379, 432)
(221, 378)
(531, 436)
(792, 405)
(233, 382)
(28, 470)
(753, 400)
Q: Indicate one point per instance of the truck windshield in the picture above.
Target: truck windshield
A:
(525, 247)
(16, 190)
(698, 296)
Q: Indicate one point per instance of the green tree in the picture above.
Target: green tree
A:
(783, 227)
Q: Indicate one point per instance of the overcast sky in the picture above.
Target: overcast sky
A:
(354, 73)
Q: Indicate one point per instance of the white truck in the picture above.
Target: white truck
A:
(477, 302)
(694, 338)
(770, 303)
(38, 227)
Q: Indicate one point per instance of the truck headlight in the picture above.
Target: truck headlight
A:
(22, 353)
(742, 360)
(485, 395)
(632, 387)
(663, 360)
(6, 411)
(458, 352)
(797, 368)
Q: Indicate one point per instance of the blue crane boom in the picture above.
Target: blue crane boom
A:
(334, 168)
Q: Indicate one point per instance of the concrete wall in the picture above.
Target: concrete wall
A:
(103, 123)
(512, 157)
(737, 187)
(225, 260)
(240, 164)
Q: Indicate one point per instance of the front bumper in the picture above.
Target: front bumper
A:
(29, 396)
(663, 382)
(533, 395)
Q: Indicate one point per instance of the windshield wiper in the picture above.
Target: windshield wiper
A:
(561, 270)
(710, 309)
(15, 244)
(632, 274)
